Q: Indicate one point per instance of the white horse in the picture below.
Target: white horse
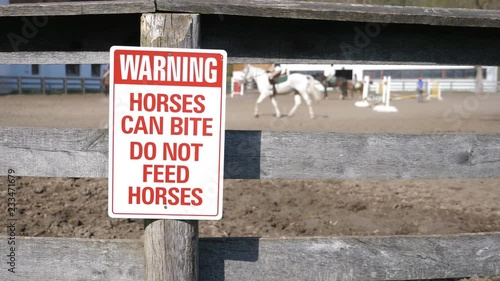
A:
(299, 84)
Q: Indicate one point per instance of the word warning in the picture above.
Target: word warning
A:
(166, 143)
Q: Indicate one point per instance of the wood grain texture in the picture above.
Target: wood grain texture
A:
(78, 8)
(55, 152)
(172, 30)
(336, 12)
(271, 155)
(103, 58)
(170, 246)
(251, 258)
(74, 259)
(378, 156)
(54, 57)
(276, 8)
(171, 250)
(351, 258)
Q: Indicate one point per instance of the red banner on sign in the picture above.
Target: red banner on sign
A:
(168, 68)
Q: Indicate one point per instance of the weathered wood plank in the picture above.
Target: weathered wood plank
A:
(271, 155)
(103, 58)
(170, 30)
(74, 259)
(353, 258)
(378, 156)
(54, 57)
(336, 12)
(281, 9)
(170, 246)
(78, 8)
(235, 259)
(52, 153)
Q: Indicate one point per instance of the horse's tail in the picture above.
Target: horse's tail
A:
(311, 88)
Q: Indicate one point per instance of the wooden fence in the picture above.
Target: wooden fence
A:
(46, 85)
(171, 250)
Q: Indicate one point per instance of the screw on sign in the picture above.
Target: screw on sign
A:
(167, 116)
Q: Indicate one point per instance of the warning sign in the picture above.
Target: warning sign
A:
(166, 148)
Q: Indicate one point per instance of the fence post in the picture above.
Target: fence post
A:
(170, 246)
(479, 80)
(82, 84)
(65, 85)
(19, 85)
(388, 92)
(42, 84)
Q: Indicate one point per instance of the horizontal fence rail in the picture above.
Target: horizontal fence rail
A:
(336, 11)
(275, 9)
(56, 57)
(81, 8)
(271, 155)
(44, 85)
(254, 259)
(449, 85)
(468, 86)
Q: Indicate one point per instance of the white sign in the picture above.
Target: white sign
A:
(166, 147)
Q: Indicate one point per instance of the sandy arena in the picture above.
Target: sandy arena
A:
(77, 207)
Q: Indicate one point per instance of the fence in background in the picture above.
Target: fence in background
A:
(447, 85)
(48, 85)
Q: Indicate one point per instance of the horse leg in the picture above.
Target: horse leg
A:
(325, 86)
(275, 104)
(308, 101)
(298, 101)
(344, 90)
(259, 100)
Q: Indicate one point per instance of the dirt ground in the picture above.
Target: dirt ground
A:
(65, 207)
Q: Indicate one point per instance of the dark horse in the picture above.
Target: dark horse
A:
(345, 86)
(356, 88)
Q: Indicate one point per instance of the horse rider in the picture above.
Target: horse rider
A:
(356, 85)
(274, 72)
(420, 90)
(329, 73)
(330, 78)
